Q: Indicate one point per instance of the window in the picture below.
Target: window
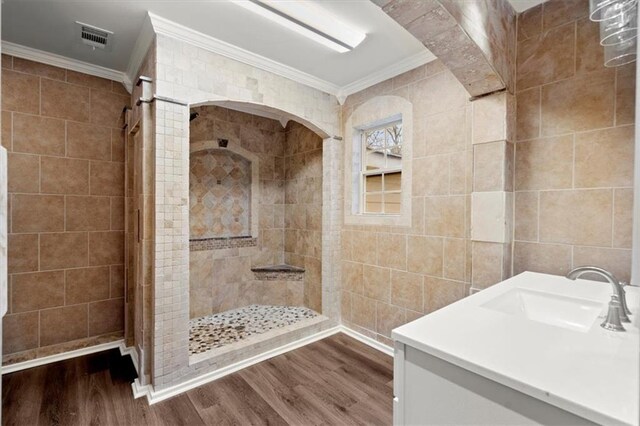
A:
(381, 169)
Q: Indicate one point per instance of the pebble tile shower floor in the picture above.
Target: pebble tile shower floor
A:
(215, 331)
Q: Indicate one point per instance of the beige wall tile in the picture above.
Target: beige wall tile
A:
(39, 69)
(116, 281)
(37, 213)
(489, 118)
(117, 145)
(364, 247)
(406, 290)
(487, 266)
(59, 325)
(546, 258)
(439, 293)
(63, 100)
(7, 127)
(87, 213)
(106, 108)
(530, 23)
(88, 80)
(63, 250)
(618, 261)
(625, 94)
(588, 58)
(576, 217)
(489, 162)
(623, 218)
(64, 176)
(558, 12)
(431, 175)
(19, 332)
(345, 305)
(88, 141)
(106, 316)
(445, 132)
(544, 163)
(454, 259)
(117, 213)
(445, 216)
(604, 158)
(23, 173)
(20, 92)
(528, 114)
(37, 290)
(107, 178)
(352, 279)
(583, 103)
(424, 255)
(377, 282)
(86, 285)
(526, 216)
(22, 253)
(546, 58)
(392, 251)
(490, 216)
(363, 311)
(388, 317)
(38, 135)
(106, 248)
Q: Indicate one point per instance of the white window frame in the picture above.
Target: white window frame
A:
(382, 171)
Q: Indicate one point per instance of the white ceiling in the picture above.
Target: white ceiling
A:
(48, 25)
(522, 5)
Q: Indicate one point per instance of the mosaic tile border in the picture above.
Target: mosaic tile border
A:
(278, 273)
(222, 243)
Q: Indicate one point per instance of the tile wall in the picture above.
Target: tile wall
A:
(303, 208)
(66, 209)
(393, 275)
(575, 144)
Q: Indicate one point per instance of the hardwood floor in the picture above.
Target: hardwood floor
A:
(335, 381)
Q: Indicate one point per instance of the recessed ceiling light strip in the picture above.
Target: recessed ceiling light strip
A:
(300, 23)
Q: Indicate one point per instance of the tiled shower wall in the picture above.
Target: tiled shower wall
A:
(574, 150)
(393, 275)
(222, 279)
(63, 133)
(303, 208)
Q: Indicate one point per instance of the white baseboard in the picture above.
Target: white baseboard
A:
(60, 357)
(367, 340)
(154, 396)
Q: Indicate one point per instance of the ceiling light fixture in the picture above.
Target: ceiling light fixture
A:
(307, 20)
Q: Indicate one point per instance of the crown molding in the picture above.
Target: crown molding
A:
(32, 54)
(171, 29)
(140, 49)
(393, 70)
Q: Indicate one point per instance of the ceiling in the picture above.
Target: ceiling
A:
(48, 25)
(522, 5)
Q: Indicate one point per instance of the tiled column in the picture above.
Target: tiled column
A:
(171, 281)
(492, 197)
(331, 225)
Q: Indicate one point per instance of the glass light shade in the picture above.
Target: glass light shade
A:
(620, 29)
(620, 54)
(601, 10)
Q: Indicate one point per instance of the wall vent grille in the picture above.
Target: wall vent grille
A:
(94, 36)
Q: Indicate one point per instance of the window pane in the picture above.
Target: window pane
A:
(392, 202)
(374, 160)
(375, 139)
(392, 181)
(373, 183)
(373, 203)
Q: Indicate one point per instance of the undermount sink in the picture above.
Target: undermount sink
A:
(560, 311)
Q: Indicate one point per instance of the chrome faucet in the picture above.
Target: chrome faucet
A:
(618, 310)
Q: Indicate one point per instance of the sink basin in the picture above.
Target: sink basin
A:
(560, 311)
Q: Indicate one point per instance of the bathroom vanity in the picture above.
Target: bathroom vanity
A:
(529, 350)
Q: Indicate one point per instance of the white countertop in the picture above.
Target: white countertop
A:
(594, 374)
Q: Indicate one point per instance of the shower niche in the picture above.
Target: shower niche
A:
(255, 215)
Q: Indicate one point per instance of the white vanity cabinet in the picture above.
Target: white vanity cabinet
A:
(527, 351)
(430, 391)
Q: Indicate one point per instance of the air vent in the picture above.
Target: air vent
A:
(94, 36)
